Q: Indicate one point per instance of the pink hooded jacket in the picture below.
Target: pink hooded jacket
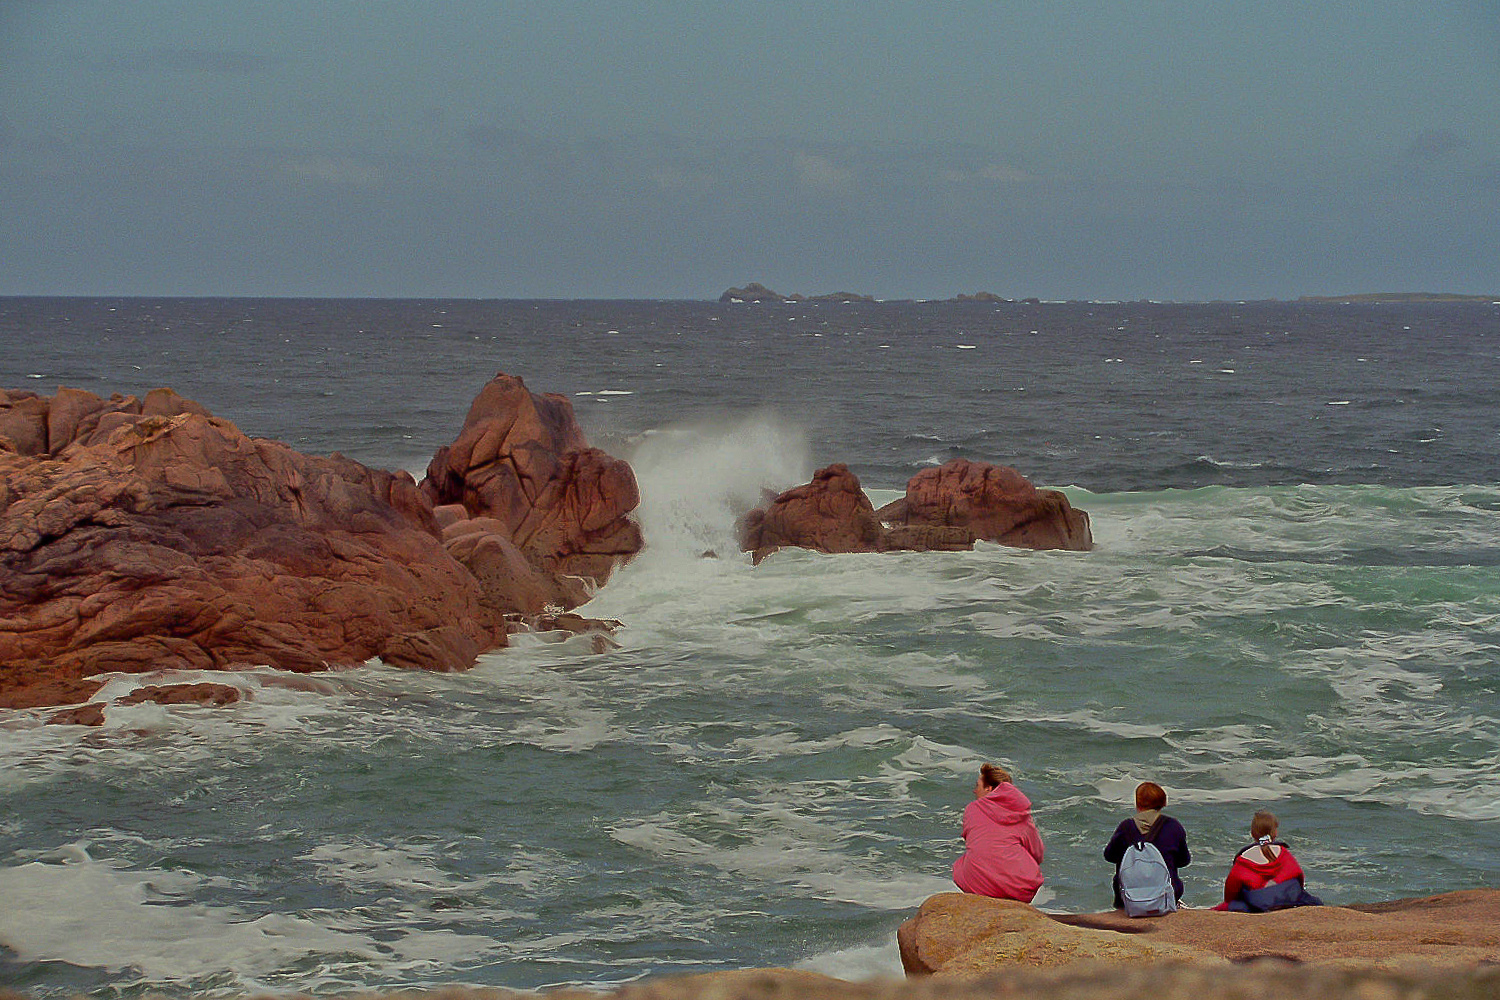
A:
(1003, 851)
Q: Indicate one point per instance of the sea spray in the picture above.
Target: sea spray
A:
(696, 480)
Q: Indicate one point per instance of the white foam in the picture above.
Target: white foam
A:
(880, 960)
(402, 867)
(126, 926)
(784, 848)
(695, 480)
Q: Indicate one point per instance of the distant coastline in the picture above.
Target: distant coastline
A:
(1364, 297)
(757, 292)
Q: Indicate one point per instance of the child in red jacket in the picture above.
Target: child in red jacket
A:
(1265, 876)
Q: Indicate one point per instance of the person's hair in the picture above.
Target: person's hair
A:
(992, 775)
(1263, 824)
(1150, 795)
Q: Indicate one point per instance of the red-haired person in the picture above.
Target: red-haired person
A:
(1264, 875)
(1002, 848)
(1149, 824)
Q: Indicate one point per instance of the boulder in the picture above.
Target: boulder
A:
(829, 514)
(137, 541)
(521, 463)
(995, 503)
(23, 422)
(963, 936)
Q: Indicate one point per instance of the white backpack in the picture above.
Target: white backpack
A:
(1146, 882)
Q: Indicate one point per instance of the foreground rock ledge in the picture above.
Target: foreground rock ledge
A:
(956, 935)
(1268, 980)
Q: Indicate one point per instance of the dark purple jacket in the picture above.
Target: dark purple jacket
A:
(1170, 839)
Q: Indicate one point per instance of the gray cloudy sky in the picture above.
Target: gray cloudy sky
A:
(670, 149)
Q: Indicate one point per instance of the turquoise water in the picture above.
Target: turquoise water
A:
(1294, 604)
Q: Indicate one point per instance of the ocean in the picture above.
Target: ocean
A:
(1294, 604)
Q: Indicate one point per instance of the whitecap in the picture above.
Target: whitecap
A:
(126, 926)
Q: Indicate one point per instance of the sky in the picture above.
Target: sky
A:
(557, 149)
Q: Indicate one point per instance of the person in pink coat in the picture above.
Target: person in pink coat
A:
(1002, 848)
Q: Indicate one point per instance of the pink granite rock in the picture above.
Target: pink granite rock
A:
(521, 460)
(132, 541)
(995, 503)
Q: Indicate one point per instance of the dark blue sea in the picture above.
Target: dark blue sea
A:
(1294, 604)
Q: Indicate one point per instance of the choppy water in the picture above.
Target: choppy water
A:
(1294, 603)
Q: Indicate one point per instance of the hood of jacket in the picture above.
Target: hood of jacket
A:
(1252, 859)
(1005, 803)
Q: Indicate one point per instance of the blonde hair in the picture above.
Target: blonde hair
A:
(1264, 825)
(992, 775)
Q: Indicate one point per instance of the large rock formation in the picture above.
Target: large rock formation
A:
(958, 935)
(995, 503)
(148, 535)
(946, 509)
(554, 512)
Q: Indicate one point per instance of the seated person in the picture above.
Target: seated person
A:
(1149, 824)
(1002, 848)
(1264, 875)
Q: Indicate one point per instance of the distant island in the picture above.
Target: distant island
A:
(1400, 297)
(756, 292)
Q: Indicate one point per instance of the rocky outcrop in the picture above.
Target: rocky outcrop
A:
(753, 292)
(548, 516)
(945, 509)
(142, 535)
(956, 935)
(830, 514)
(995, 503)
